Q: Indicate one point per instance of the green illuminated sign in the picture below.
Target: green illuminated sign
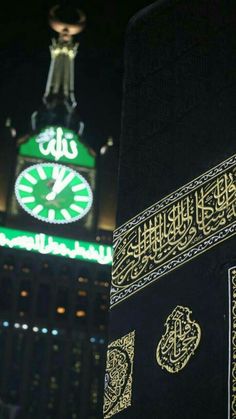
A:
(59, 145)
(53, 193)
(56, 246)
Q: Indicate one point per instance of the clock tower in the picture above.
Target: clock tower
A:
(55, 178)
(55, 252)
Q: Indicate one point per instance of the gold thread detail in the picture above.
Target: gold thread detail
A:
(232, 359)
(174, 230)
(180, 341)
(119, 375)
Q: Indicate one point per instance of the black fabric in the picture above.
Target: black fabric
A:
(179, 98)
(179, 120)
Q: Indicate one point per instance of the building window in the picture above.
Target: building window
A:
(75, 382)
(26, 267)
(38, 365)
(46, 269)
(81, 306)
(62, 303)
(9, 264)
(55, 378)
(102, 280)
(6, 291)
(43, 300)
(16, 367)
(83, 276)
(100, 314)
(23, 303)
(65, 272)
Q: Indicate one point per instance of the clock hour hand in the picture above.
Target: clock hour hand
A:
(52, 195)
(60, 184)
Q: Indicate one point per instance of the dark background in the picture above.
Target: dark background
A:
(25, 58)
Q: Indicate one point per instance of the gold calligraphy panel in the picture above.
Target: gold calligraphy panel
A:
(181, 339)
(119, 375)
(232, 344)
(174, 230)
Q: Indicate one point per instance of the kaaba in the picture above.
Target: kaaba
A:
(172, 339)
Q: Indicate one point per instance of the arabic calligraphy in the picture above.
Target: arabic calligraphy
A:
(181, 339)
(49, 245)
(232, 344)
(118, 377)
(57, 144)
(174, 230)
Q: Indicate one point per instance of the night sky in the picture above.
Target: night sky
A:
(25, 58)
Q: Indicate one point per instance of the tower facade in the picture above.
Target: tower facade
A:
(55, 264)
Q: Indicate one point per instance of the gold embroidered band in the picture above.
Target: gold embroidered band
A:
(232, 345)
(174, 230)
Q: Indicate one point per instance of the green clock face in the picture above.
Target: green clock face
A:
(53, 193)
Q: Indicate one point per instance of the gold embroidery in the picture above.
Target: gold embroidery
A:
(118, 377)
(174, 230)
(181, 339)
(232, 340)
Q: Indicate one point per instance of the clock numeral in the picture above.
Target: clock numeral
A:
(36, 210)
(25, 188)
(28, 199)
(41, 173)
(30, 178)
(55, 172)
(79, 198)
(65, 214)
(51, 214)
(78, 187)
(76, 208)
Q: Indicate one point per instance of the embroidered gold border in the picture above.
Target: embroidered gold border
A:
(119, 375)
(232, 345)
(189, 222)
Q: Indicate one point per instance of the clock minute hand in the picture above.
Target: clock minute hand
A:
(64, 183)
(60, 185)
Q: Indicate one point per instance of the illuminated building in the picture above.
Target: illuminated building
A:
(55, 256)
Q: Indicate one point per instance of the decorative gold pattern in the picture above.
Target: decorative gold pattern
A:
(181, 339)
(232, 343)
(175, 230)
(118, 377)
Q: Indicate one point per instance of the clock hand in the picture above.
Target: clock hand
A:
(62, 185)
(52, 195)
(59, 186)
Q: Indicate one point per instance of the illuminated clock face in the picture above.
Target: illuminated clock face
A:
(53, 193)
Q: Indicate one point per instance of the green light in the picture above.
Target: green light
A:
(53, 193)
(58, 144)
(55, 246)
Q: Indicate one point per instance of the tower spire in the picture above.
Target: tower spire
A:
(59, 97)
(60, 82)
